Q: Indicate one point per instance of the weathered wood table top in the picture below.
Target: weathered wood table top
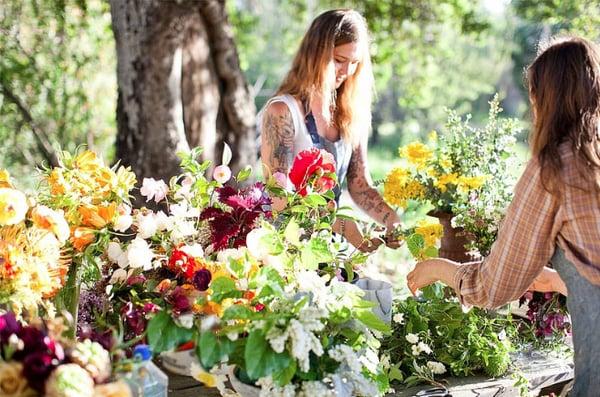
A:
(539, 369)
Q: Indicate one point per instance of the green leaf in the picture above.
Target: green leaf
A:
(315, 252)
(236, 312)
(285, 375)
(164, 334)
(224, 287)
(244, 173)
(370, 319)
(260, 358)
(292, 232)
(315, 200)
(415, 244)
(431, 252)
(212, 350)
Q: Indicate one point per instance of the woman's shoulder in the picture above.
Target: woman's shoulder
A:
(277, 108)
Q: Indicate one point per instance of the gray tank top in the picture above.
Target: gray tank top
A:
(307, 137)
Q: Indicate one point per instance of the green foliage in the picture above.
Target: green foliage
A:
(57, 80)
(164, 334)
(465, 342)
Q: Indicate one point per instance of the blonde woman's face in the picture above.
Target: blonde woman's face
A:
(345, 58)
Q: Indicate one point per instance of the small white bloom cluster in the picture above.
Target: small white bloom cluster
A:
(436, 368)
(269, 389)
(398, 318)
(344, 354)
(299, 334)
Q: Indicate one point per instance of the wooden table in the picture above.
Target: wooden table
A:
(541, 371)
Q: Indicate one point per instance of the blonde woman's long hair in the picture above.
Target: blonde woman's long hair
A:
(349, 107)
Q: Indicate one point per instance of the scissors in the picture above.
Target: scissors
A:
(434, 392)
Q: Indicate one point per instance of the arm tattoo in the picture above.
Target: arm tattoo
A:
(279, 132)
(362, 191)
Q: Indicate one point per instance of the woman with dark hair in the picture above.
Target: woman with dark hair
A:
(555, 214)
(325, 102)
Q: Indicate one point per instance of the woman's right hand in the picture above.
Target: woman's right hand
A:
(354, 236)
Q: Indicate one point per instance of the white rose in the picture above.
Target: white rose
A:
(139, 254)
(163, 222)
(147, 226)
(114, 251)
(185, 320)
(256, 247)
(123, 223)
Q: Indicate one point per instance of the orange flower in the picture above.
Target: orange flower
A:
(97, 216)
(163, 286)
(57, 182)
(213, 308)
(82, 237)
(48, 219)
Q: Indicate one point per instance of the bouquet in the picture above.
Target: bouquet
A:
(463, 172)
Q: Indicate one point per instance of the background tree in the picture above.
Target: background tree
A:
(180, 85)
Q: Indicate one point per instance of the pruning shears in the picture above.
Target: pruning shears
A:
(434, 392)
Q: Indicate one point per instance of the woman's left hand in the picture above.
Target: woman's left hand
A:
(390, 238)
(429, 271)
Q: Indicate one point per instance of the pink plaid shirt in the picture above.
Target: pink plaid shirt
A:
(535, 223)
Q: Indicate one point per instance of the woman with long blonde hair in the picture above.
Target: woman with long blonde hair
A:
(325, 102)
(555, 213)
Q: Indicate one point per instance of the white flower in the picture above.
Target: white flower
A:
(146, 225)
(163, 222)
(415, 350)
(436, 368)
(208, 322)
(154, 189)
(398, 318)
(123, 223)
(228, 254)
(256, 246)
(185, 320)
(385, 361)
(118, 276)
(139, 254)
(302, 343)
(412, 338)
(424, 347)
(194, 250)
(344, 354)
(114, 251)
(222, 174)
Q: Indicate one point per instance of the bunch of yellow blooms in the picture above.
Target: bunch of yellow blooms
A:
(430, 174)
(33, 263)
(90, 194)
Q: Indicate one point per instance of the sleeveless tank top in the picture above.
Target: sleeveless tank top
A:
(306, 137)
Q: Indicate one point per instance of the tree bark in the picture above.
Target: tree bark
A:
(180, 85)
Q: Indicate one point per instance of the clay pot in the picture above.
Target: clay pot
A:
(453, 241)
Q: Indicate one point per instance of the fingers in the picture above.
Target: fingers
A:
(411, 283)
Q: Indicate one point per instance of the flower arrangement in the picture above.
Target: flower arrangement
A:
(33, 259)
(549, 319)
(463, 172)
(433, 336)
(37, 360)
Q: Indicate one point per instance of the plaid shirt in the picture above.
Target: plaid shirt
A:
(535, 223)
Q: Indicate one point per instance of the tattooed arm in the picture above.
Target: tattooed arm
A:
(360, 187)
(277, 142)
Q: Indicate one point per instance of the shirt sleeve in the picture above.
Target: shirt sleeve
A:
(525, 244)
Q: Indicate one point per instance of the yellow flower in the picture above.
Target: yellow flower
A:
(416, 153)
(446, 163)
(444, 180)
(432, 136)
(209, 379)
(13, 206)
(431, 232)
(12, 381)
(57, 182)
(398, 188)
(467, 183)
(87, 161)
(5, 179)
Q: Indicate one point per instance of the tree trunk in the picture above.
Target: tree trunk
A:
(180, 85)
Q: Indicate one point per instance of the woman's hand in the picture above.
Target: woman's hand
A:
(429, 271)
(390, 238)
(349, 229)
(548, 281)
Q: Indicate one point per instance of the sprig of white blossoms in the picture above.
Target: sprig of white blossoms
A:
(436, 368)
